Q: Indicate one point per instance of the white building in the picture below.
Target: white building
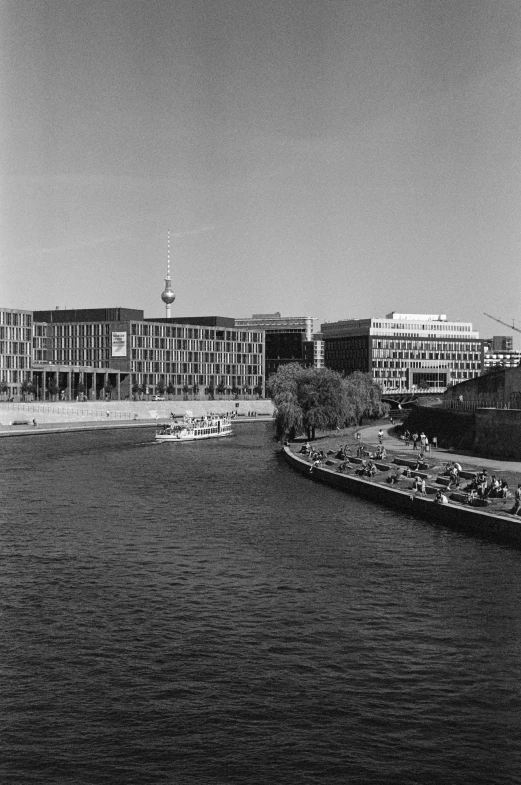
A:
(404, 351)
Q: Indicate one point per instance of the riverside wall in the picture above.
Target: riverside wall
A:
(492, 526)
(490, 433)
(498, 433)
(452, 428)
(127, 410)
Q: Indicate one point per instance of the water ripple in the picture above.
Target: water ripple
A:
(208, 616)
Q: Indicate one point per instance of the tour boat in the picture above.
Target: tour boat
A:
(191, 429)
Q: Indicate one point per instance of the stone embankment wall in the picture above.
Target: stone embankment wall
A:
(452, 428)
(491, 433)
(490, 525)
(126, 410)
(501, 385)
(498, 433)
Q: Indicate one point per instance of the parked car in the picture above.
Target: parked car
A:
(158, 398)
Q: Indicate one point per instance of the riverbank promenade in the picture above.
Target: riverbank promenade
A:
(394, 444)
(22, 419)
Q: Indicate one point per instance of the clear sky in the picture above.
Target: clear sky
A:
(332, 158)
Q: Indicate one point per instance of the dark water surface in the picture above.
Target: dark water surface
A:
(202, 614)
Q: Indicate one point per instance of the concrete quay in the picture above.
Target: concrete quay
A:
(16, 419)
(492, 525)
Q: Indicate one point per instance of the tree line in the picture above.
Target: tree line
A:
(311, 399)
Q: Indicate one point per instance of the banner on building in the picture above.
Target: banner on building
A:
(119, 344)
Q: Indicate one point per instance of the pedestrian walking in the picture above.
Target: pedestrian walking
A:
(415, 441)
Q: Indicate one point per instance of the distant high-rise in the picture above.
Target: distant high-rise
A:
(168, 295)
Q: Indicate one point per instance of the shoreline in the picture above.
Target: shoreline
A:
(497, 526)
(46, 429)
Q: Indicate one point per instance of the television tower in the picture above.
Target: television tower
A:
(168, 295)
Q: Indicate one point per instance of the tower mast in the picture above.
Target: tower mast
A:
(168, 295)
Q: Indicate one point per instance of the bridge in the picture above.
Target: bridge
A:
(399, 399)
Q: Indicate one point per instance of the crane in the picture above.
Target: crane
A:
(510, 326)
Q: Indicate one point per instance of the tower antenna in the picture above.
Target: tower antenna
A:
(168, 295)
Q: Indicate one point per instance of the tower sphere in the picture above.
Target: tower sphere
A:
(168, 295)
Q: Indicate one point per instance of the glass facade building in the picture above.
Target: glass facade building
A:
(15, 349)
(286, 338)
(404, 352)
(121, 348)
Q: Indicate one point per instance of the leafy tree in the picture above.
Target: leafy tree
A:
(52, 388)
(363, 397)
(170, 389)
(307, 399)
(25, 388)
(221, 388)
(137, 390)
(4, 387)
(160, 387)
(186, 390)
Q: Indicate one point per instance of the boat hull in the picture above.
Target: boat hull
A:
(192, 430)
(190, 438)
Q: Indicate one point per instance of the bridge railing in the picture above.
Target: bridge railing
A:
(472, 405)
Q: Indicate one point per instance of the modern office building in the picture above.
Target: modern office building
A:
(117, 350)
(404, 352)
(286, 338)
(499, 351)
(15, 350)
(501, 343)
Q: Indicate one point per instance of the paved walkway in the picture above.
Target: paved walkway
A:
(391, 442)
(97, 425)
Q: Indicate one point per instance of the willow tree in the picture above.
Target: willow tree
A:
(363, 397)
(283, 388)
(311, 399)
(306, 399)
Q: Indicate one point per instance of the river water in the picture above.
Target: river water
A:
(199, 613)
